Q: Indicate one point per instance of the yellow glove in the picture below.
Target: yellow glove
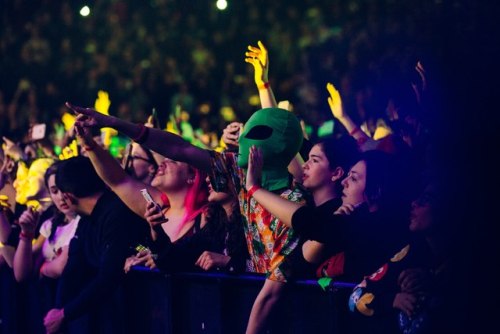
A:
(4, 201)
(335, 101)
(68, 120)
(259, 59)
(102, 104)
(69, 151)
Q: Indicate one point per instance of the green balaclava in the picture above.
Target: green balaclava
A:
(278, 133)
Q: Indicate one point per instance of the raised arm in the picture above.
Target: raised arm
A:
(279, 207)
(167, 144)
(335, 101)
(23, 258)
(258, 57)
(110, 171)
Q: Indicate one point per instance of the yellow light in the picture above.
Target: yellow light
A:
(221, 4)
(85, 11)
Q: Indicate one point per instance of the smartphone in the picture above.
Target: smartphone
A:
(38, 131)
(149, 199)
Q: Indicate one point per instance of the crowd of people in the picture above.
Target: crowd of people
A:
(217, 174)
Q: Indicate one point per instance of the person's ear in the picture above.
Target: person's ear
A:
(337, 174)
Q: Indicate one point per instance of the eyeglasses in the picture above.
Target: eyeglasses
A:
(130, 158)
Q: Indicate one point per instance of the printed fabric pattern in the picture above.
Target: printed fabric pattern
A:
(269, 241)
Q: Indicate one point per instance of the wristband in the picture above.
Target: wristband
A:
(253, 189)
(143, 134)
(26, 236)
(265, 85)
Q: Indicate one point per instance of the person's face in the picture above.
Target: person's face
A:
(421, 218)
(216, 197)
(354, 184)
(57, 196)
(138, 163)
(173, 175)
(316, 170)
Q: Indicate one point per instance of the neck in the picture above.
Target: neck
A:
(177, 200)
(323, 194)
(70, 216)
(228, 207)
(87, 204)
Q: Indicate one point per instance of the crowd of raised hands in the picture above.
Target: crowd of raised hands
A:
(372, 190)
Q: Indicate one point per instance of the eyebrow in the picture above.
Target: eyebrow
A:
(315, 156)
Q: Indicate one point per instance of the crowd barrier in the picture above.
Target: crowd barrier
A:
(199, 303)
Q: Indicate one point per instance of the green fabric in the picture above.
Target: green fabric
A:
(278, 133)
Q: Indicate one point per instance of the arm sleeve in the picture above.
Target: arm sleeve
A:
(323, 228)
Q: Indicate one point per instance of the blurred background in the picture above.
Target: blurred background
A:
(163, 53)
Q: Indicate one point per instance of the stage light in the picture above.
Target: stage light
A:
(221, 4)
(85, 11)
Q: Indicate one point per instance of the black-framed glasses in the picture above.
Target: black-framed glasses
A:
(130, 158)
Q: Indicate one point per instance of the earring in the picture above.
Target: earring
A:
(190, 181)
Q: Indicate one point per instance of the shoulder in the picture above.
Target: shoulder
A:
(46, 227)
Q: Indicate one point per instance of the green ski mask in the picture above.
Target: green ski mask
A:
(278, 133)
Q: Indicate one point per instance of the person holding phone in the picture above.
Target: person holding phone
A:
(176, 209)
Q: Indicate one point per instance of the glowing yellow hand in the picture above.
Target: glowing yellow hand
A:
(102, 104)
(258, 57)
(335, 101)
(68, 120)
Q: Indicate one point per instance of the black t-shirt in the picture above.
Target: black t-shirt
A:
(367, 239)
(97, 255)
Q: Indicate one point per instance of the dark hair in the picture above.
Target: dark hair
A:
(340, 152)
(77, 176)
(57, 216)
(388, 182)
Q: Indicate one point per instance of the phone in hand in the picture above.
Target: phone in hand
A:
(38, 131)
(147, 196)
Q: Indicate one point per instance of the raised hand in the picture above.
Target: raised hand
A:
(88, 117)
(153, 214)
(11, 149)
(29, 221)
(335, 101)
(255, 163)
(258, 57)
(231, 134)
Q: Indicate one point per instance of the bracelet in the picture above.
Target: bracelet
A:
(143, 134)
(253, 189)
(26, 236)
(265, 85)
(353, 132)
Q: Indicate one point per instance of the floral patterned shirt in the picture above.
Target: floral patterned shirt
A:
(269, 240)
